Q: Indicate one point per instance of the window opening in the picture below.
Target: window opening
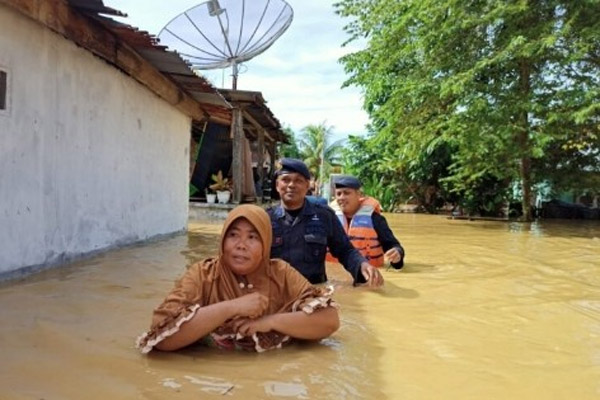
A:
(3, 89)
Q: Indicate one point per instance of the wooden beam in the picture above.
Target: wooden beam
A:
(220, 115)
(237, 162)
(272, 150)
(255, 123)
(92, 36)
(260, 162)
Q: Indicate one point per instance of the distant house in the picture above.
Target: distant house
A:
(95, 124)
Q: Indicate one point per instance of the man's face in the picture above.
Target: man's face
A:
(292, 188)
(348, 199)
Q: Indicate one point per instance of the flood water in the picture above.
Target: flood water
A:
(482, 310)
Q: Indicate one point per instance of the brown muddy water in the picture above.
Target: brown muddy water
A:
(482, 310)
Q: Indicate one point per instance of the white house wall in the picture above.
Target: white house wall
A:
(89, 158)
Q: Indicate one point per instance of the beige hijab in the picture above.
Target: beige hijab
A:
(261, 222)
(267, 279)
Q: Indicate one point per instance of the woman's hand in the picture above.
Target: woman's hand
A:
(251, 305)
(249, 327)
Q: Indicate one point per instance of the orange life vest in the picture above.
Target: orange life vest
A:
(361, 232)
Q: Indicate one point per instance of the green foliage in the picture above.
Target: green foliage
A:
(385, 193)
(494, 91)
(317, 151)
(389, 177)
(289, 150)
(486, 196)
(363, 158)
(565, 159)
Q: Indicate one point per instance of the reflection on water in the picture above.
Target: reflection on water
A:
(482, 310)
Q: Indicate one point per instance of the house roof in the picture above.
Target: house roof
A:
(256, 112)
(140, 55)
(167, 62)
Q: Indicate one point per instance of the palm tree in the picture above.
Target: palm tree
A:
(318, 153)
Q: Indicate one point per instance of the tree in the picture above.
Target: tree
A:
(502, 83)
(366, 159)
(289, 149)
(388, 179)
(319, 154)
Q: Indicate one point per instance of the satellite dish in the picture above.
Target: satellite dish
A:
(223, 33)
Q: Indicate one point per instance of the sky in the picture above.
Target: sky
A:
(299, 75)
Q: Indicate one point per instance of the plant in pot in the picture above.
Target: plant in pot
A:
(211, 197)
(222, 186)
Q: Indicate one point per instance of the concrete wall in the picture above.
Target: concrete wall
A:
(89, 158)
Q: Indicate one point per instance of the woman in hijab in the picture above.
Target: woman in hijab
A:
(242, 299)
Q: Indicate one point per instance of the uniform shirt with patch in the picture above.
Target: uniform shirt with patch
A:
(303, 240)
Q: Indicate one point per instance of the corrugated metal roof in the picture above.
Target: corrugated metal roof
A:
(167, 62)
(95, 6)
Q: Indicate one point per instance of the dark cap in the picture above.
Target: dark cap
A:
(347, 182)
(289, 165)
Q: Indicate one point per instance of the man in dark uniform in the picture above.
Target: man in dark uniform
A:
(367, 229)
(302, 231)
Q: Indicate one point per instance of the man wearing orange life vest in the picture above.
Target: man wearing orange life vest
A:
(366, 228)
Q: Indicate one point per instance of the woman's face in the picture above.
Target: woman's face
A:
(242, 247)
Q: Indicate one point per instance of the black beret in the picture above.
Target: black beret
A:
(289, 165)
(347, 182)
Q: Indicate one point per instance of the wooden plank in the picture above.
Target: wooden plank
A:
(260, 162)
(237, 164)
(271, 148)
(89, 34)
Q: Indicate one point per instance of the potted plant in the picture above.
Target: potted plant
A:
(211, 197)
(222, 186)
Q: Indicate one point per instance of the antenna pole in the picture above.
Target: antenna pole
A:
(234, 75)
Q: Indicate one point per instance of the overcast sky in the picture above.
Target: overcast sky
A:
(298, 75)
